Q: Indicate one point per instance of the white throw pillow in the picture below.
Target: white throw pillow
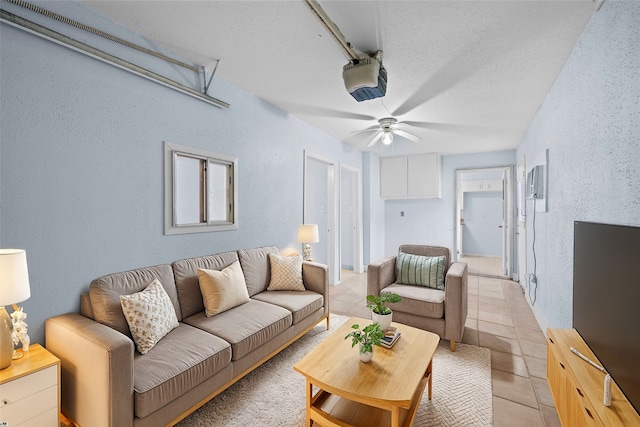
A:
(222, 290)
(286, 273)
(150, 315)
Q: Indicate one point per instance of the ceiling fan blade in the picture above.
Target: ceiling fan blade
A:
(403, 133)
(310, 110)
(448, 127)
(369, 129)
(459, 68)
(375, 139)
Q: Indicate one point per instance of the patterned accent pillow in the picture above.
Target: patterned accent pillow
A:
(150, 315)
(286, 273)
(222, 290)
(420, 270)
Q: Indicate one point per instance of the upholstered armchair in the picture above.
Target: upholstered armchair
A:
(425, 304)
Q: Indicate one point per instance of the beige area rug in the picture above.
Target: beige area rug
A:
(274, 394)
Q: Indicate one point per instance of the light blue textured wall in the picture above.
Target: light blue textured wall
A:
(482, 215)
(431, 221)
(82, 167)
(590, 123)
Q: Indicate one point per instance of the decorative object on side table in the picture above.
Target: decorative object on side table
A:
(19, 334)
(380, 312)
(369, 336)
(308, 233)
(14, 288)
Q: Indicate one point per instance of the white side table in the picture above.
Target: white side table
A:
(30, 390)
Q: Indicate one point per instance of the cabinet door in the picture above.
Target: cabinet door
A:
(393, 177)
(492, 185)
(471, 186)
(423, 175)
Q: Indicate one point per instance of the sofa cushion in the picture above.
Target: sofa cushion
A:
(421, 270)
(256, 268)
(105, 292)
(222, 290)
(149, 314)
(419, 300)
(187, 283)
(183, 359)
(300, 303)
(286, 273)
(246, 327)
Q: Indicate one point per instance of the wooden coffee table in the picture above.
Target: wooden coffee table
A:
(383, 392)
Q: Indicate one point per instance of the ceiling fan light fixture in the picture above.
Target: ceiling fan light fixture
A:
(387, 138)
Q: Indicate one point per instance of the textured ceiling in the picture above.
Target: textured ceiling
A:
(473, 73)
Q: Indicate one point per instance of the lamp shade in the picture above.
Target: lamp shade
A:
(14, 277)
(308, 233)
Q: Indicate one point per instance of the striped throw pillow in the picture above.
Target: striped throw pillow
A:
(420, 270)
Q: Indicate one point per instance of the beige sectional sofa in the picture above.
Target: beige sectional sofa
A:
(107, 382)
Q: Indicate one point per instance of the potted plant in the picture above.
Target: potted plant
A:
(367, 337)
(380, 312)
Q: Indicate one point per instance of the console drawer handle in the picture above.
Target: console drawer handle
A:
(561, 365)
(588, 412)
(581, 395)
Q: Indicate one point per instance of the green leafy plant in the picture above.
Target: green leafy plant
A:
(367, 337)
(377, 302)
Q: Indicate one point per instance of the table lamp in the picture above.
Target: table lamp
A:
(308, 233)
(14, 288)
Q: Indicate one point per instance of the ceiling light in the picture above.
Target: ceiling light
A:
(387, 137)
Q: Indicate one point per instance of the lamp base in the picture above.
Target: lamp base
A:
(6, 343)
(306, 252)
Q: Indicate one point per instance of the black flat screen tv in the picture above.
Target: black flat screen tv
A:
(606, 299)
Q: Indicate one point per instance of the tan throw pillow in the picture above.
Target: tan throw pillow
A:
(150, 315)
(286, 273)
(222, 290)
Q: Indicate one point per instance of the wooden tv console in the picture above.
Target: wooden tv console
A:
(577, 387)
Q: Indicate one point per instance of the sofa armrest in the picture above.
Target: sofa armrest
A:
(96, 370)
(455, 300)
(381, 274)
(315, 277)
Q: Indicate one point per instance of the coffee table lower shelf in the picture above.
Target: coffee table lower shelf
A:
(330, 410)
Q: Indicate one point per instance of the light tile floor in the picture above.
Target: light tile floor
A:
(500, 319)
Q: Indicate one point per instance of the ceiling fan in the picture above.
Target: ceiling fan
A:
(386, 129)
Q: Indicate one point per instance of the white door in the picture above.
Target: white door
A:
(350, 224)
(319, 208)
(522, 225)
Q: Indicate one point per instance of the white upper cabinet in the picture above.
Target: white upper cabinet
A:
(410, 177)
(482, 185)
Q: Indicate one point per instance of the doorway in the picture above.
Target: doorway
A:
(484, 220)
(350, 254)
(319, 208)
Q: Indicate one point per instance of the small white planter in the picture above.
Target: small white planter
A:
(384, 320)
(365, 357)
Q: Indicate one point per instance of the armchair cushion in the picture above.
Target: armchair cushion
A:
(419, 300)
(421, 270)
